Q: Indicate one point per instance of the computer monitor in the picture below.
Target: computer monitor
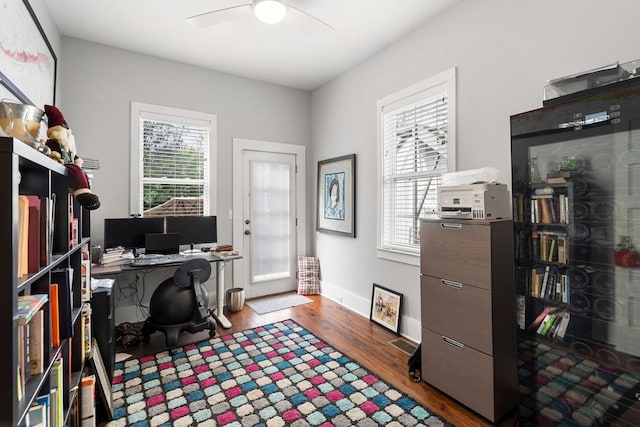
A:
(193, 229)
(130, 232)
(161, 243)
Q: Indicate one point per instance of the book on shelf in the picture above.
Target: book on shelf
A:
(55, 382)
(37, 416)
(52, 220)
(23, 236)
(86, 330)
(36, 344)
(64, 279)
(73, 420)
(85, 275)
(551, 246)
(545, 281)
(554, 325)
(23, 357)
(35, 233)
(70, 220)
(564, 323)
(45, 400)
(53, 405)
(549, 283)
(88, 408)
(45, 231)
(19, 383)
(546, 324)
(54, 311)
(560, 177)
(33, 244)
(74, 234)
(28, 306)
(535, 243)
(552, 250)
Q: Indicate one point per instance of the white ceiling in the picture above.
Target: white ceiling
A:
(294, 53)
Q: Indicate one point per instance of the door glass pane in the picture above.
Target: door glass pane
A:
(270, 221)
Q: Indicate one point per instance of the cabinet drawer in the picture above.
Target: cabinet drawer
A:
(456, 251)
(458, 311)
(463, 373)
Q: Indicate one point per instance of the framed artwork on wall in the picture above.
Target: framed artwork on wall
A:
(385, 307)
(336, 211)
(27, 60)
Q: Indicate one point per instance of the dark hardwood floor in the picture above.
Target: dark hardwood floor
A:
(354, 335)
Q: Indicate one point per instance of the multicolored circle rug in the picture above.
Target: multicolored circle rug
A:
(274, 375)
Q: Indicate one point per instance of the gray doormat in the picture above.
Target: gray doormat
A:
(277, 302)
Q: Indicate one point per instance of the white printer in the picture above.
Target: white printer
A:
(474, 201)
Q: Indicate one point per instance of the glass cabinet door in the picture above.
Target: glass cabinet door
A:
(576, 201)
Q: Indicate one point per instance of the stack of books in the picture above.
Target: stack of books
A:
(114, 256)
(30, 336)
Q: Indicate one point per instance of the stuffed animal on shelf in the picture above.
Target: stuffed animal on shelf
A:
(63, 149)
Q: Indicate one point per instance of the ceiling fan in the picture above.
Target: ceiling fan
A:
(267, 11)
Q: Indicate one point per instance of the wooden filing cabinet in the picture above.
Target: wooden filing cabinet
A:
(469, 348)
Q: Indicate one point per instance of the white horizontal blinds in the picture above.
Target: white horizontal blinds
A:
(175, 167)
(414, 158)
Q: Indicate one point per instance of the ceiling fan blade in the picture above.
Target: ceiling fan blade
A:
(219, 16)
(301, 13)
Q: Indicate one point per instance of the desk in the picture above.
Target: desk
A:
(220, 261)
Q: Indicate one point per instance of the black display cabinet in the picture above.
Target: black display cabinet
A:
(576, 202)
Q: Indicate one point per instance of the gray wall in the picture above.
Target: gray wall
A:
(99, 82)
(504, 52)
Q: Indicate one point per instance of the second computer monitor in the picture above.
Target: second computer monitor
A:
(193, 229)
(130, 232)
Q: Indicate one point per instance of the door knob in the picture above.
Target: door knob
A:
(247, 232)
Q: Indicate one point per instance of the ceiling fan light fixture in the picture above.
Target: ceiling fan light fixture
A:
(269, 11)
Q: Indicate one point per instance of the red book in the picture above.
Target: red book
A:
(34, 234)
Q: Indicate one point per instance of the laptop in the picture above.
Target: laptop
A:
(162, 243)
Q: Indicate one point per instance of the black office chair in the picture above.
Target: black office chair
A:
(180, 303)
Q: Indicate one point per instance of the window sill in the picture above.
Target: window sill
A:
(410, 258)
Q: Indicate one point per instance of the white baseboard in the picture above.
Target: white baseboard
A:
(409, 328)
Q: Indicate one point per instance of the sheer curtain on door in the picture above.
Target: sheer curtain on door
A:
(270, 213)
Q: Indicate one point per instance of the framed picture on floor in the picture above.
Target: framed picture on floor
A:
(336, 211)
(385, 307)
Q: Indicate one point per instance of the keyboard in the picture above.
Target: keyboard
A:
(153, 260)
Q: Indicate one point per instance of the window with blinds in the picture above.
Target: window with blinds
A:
(173, 161)
(416, 148)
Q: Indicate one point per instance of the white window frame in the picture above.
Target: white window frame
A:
(422, 90)
(140, 111)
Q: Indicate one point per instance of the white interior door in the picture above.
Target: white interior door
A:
(266, 222)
